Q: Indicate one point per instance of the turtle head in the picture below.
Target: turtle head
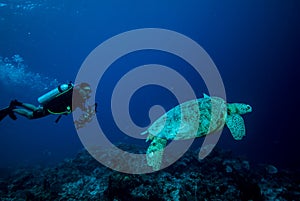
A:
(238, 108)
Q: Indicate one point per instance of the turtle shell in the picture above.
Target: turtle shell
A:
(194, 118)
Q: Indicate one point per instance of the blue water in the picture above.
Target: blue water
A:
(254, 44)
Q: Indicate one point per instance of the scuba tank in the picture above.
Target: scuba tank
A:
(54, 93)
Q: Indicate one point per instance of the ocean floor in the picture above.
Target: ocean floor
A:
(220, 177)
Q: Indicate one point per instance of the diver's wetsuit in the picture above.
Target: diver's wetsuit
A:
(61, 104)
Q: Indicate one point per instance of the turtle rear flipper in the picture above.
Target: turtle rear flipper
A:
(155, 152)
(236, 125)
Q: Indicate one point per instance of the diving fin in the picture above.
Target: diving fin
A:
(8, 111)
(12, 115)
(3, 113)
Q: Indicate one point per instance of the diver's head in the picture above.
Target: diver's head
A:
(84, 90)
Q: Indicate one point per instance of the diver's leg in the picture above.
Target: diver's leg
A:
(29, 106)
(38, 113)
(26, 113)
(30, 111)
(24, 105)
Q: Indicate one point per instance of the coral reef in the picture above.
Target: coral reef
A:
(220, 176)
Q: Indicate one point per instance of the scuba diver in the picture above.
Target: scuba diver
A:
(57, 101)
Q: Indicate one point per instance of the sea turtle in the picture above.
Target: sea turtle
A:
(191, 119)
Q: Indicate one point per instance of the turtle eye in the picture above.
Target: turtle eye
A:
(248, 107)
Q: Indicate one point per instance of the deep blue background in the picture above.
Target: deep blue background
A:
(255, 45)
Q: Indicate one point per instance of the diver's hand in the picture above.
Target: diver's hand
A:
(86, 117)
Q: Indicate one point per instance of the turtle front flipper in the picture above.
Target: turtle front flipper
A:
(236, 125)
(155, 152)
